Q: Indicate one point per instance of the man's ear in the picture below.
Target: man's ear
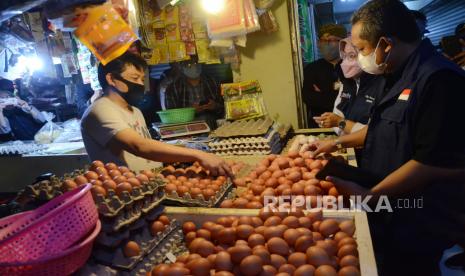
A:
(110, 80)
(386, 43)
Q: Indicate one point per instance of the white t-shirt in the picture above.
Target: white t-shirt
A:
(103, 120)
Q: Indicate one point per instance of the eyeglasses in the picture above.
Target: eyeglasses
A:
(328, 41)
(350, 56)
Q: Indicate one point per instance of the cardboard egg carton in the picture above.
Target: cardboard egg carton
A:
(173, 199)
(253, 127)
(115, 258)
(118, 211)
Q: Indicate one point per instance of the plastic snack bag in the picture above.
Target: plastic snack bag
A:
(105, 33)
(243, 100)
(228, 23)
(49, 132)
(251, 16)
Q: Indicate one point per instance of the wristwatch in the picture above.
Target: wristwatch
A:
(342, 124)
(338, 144)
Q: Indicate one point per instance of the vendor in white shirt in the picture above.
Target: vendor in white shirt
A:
(18, 119)
(357, 95)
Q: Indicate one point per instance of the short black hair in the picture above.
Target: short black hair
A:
(390, 18)
(418, 15)
(460, 29)
(6, 85)
(118, 65)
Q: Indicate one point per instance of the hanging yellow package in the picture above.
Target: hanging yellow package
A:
(105, 33)
(243, 100)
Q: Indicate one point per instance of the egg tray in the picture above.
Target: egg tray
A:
(114, 257)
(251, 127)
(128, 208)
(173, 243)
(174, 199)
(111, 239)
(276, 149)
(271, 136)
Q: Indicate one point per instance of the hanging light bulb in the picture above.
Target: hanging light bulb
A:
(213, 6)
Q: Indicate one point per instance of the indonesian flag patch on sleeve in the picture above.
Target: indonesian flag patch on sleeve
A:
(405, 94)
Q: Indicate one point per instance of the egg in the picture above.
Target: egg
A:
(265, 213)
(347, 227)
(256, 222)
(266, 175)
(329, 246)
(161, 269)
(98, 190)
(260, 169)
(297, 259)
(326, 185)
(262, 253)
(304, 270)
(81, 180)
(96, 164)
(123, 187)
(109, 185)
(227, 236)
(177, 271)
(123, 169)
(305, 222)
(134, 182)
(69, 185)
(348, 249)
(291, 222)
(242, 242)
(170, 188)
(349, 260)
(223, 273)
(346, 241)
(203, 233)
(104, 177)
(305, 231)
(349, 271)
(269, 270)
(256, 239)
(96, 182)
(239, 252)
(120, 179)
(111, 166)
(91, 175)
(157, 227)
(287, 268)
(277, 174)
(240, 203)
(325, 270)
(189, 237)
(339, 236)
(223, 261)
(272, 221)
(317, 236)
(164, 219)
(131, 249)
(277, 261)
(278, 246)
(199, 267)
(291, 236)
(142, 178)
(205, 248)
(208, 194)
(260, 230)
(171, 178)
(192, 257)
(303, 243)
(283, 163)
(294, 176)
(251, 265)
(188, 226)
(273, 232)
(317, 256)
(244, 231)
(228, 203)
(114, 173)
(148, 173)
(182, 190)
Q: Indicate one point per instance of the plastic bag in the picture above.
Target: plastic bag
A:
(229, 23)
(243, 100)
(105, 33)
(252, 23)
(71, 132)
(49, 132)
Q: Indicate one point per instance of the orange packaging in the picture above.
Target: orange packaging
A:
(105, 33)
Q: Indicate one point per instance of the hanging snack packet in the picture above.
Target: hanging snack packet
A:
(105, 33)
(243, 100)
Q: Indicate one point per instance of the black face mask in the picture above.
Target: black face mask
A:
(135, 92)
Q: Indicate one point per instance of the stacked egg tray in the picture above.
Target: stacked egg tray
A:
(116, 212)
(173, 199)
(253, 127)
(18, 149)
(270, 143)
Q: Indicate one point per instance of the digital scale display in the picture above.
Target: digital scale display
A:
(171, 131)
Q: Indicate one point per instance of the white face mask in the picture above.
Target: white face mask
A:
(369, 65)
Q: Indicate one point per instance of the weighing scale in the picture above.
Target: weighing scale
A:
(168, 131)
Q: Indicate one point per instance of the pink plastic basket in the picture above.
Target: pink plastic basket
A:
(49, 229)
(64, 263)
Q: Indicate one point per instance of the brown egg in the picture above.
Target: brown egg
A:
(223, 261)
(120, 179)
(240, 203)
(303, 243)
(188, 226)
(256, 239)
(131, 249)
(199, 267)
(265, 213)
(349, 260)
(114, 173)
(256, 222)
(96, 164)
(104, 177)
(203, 233)
(260, 230)
(239, 252)
(287, 268)
(208, 194)
(346, 241)
(182, 190)
(294, 176)
(278, 246)
(123, 169)
(189, 237)
(277, 174)
(223, 273)
(192, 257)
(69, 185)
(282, 163)
(325, 270)
(269, 270)
(81, 180)
(111, 166)
(123, 187)
(277, 260)
(305, 222)
(262, 253)
(305, 270)
(98, 190)
(242, 242)
(215, 231)
(297, 259)
(109, 185)
(134, 182)
(273, 232)
(96, 182)
(205, 249)
(291, 222)
(348, 249)
(339, 236)
(177, 271)
(349, 271)
(142, 178)
(316, 226)
(251, 265)
(171, 178)
(129, 174)
(305, 231)
(244, 231)
(317, 236)
(315, 215)
(227, 203)
(91, 175)
(272, 221)
(291, 236)
(347, 227)
(161, 269)
(317, 256)
(227, 236)
(195, 245)
(329, 246)
(157, 227)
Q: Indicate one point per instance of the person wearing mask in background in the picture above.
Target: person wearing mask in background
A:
(321, 85)
(460, 34)
(421, 20)
(114, 130)
(195, 89)
(412, 140)
(357, 95)
(18, 119)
